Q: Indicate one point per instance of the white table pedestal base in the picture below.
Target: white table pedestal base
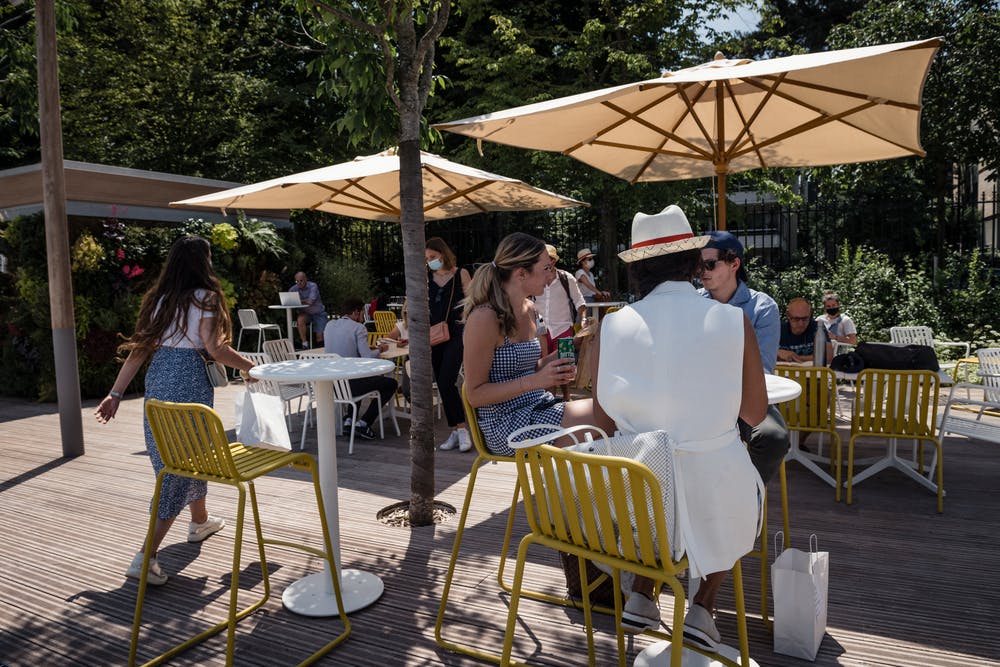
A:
(310, 596)
(658, 655)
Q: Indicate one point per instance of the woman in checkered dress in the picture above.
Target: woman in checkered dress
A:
(505, 375)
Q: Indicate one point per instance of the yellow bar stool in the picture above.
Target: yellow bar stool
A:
(192, 443)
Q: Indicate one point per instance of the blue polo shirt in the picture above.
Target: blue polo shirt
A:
(763, 314)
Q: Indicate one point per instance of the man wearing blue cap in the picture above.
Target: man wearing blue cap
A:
(724, 279)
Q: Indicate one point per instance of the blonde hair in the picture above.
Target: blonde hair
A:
(516, 251)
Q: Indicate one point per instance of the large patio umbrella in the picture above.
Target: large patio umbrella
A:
(368, 187)
(726, 116)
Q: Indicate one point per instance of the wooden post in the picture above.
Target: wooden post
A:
(56, 232)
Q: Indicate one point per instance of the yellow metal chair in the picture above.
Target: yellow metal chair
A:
(192, 443)
(571, 500)
(385, 321)
(814, 411)
(893, 405)
(483, 455)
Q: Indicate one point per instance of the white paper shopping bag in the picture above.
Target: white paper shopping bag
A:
(260, 421)
(799, 581)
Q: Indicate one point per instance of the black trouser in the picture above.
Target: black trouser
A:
(385, 386)
(767, 442)
(447, 361)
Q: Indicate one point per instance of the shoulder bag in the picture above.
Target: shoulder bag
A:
(440, 332)
(215, 371)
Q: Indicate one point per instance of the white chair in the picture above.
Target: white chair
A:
(974, 425)
(279, 350)
(249, 322)
(924, 336)
(342, 395)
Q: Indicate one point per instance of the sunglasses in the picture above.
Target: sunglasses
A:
(799, 319)
(709, 264)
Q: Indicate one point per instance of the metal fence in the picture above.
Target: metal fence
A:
(778, 235)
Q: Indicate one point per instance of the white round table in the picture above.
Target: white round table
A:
(781, 389)
(313, 594)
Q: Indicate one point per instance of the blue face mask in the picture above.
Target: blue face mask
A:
(435, 264)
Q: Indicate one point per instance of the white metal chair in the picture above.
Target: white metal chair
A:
(249, 322)
(974, 425)
(342, 395)
(924, 336)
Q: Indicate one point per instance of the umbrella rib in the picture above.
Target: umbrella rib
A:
(739, 142)
(837, 91)
(654, 151)
(379, 204)
(456, 193)
(811, 125)
(697, 119)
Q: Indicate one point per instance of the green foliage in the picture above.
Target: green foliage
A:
(339, 279)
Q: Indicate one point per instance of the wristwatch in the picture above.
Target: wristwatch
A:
(116, 394)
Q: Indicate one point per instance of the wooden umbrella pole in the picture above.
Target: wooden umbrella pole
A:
(720, 173)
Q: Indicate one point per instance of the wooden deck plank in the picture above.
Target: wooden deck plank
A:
(908, 586)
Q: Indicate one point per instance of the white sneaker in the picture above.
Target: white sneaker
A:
(640, 613)
(464, 440)
(450, 443)
(154, 576)
(700, 630)
(199, 531)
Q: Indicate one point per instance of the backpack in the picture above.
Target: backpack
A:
(898, 357)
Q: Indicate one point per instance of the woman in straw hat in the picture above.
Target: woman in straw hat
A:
(585, 277)
(505, 375)
(678, 362)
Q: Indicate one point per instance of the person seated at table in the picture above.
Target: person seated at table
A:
(798, 333)
(678, 362)
(505, 373)
(839, 327)
(585, 277)
(560, 305)
(724, 278)
(348, 337)
(314, 310)
(401, 332)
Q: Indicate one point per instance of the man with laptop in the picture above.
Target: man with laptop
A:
(308, 293)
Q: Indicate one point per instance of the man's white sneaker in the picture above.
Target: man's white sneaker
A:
(700, 630)
(450, 443)
(464, 440)
(154, 576)
(640, 613)
(199, 531)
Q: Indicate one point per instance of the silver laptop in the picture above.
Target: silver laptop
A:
(289, 298)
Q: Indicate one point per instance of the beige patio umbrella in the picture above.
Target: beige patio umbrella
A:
(727, 116)
(368, 187)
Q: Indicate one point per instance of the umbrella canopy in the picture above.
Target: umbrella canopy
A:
(368, 187)
(724, 116)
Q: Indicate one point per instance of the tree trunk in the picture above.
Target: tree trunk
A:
(608, 238)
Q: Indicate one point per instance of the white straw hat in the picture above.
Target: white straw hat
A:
(661, 234)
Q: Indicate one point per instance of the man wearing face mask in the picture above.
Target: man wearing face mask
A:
(839, 327)
(585, 277)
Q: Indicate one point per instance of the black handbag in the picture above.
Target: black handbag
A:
(898, 357)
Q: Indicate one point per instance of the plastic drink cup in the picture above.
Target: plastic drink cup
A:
(566, 348)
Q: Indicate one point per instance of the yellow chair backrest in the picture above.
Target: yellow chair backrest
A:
(190, 437)
(472, 420)
(814, 409)
(895, 403)
(573, 498)
(385, 321)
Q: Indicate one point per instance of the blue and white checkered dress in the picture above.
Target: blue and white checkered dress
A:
(511, 361)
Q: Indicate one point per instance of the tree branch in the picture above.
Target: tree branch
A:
(373, 29)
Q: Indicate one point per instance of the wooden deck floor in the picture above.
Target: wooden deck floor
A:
(908, 586)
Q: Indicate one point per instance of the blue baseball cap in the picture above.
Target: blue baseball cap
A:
(722, 240)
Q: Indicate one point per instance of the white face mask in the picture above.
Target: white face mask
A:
(589, 264)
(435, 264)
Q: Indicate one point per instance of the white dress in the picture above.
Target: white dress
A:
(673, 361)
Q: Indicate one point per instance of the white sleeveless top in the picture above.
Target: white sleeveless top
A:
(674, 361)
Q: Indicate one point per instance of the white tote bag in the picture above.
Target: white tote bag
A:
(799, 581)
(260, 421)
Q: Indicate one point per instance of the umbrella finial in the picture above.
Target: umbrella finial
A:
(719, 56)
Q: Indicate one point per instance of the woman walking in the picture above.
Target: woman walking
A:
(182, 317)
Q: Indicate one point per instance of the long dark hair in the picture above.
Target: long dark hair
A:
(188, 268)
(645, 274)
